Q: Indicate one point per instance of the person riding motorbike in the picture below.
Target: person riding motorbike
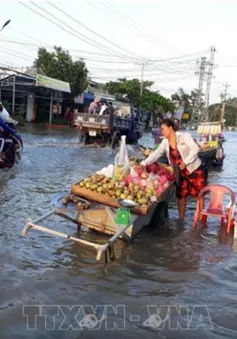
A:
(6, 134)
(4, 114)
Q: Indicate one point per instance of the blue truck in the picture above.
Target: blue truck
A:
(107, 130)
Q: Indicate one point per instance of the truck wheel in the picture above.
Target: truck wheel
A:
(114, 140)
(86, 139)
(82, 139)
(161, 215)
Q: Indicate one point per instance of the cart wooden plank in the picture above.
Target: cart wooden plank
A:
(101, 219)
(104, 199)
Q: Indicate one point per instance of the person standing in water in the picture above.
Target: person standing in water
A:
(182, 153)
(157, 132)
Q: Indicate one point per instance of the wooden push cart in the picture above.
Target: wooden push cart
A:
(100, 216)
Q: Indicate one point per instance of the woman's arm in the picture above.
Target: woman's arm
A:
(193, 148)
(155, 155)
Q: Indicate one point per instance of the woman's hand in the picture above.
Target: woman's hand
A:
(182, 165)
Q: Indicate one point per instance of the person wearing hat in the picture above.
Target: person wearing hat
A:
(94, 106)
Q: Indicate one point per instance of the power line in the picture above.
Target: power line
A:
(20, 42)
(70, 27)
(109, 5)
(101, 10)
(129, 77)
(92, 31)
(77, 35)
(113, 61)
(152, 71)
(19, 55)
(28, 36)
(173, 60)
(135, 27)
(135, 72)
(174, 63)
(138, 27)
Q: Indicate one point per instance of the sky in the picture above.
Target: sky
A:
(116, 37)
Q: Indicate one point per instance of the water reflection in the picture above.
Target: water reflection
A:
(171, 265)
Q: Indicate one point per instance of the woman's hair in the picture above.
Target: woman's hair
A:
(170, 123)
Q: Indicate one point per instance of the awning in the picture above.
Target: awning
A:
(57, 85)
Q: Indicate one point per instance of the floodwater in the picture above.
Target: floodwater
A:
(175, 283)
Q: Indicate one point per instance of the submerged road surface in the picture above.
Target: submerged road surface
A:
(176, 283)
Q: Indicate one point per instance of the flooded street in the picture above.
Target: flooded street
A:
(179, 267)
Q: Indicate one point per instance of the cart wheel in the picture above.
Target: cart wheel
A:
(160, 215)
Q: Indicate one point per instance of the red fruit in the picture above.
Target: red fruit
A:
(139, 170)
(128, 180)
(153, 168)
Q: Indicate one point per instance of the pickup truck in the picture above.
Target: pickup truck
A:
(108, 129)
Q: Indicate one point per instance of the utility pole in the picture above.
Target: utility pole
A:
(224, 103)
(142, 79)
(209, 76)
(13, 94)
(201, 79)
(204, 115)
(143, 64)
(197, 110)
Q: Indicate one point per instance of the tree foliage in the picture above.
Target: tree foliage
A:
(60, 65)
(230, 112)
(149, 101)
(187, 100)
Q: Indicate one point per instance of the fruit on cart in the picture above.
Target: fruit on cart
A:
(119, 172)
(146, 152)
(139, 170)
(134, 160)
(153, 168)
(81, 204)
(143, 201)
(142, 185)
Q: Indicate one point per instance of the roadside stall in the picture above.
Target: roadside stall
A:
(211, 139)
(118, 200)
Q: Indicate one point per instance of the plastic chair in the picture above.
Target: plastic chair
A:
(215, 208)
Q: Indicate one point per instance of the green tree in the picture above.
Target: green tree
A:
(60, 65)
(230, 112)
(188, 101)
(149, 101)
(183, 98)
